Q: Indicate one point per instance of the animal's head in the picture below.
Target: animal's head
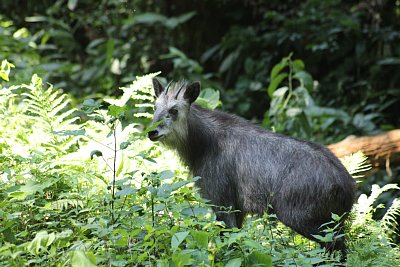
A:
(171, 110)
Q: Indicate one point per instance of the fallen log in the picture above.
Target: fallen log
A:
(383, 150)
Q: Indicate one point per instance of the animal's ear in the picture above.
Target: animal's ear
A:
(192, 92)
(158, 88)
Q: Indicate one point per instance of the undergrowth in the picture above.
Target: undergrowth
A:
(86, 188)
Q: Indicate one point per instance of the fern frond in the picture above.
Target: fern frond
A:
(364, 208)
(61, 120)
(143, 115)
(49, 105)
(372, 249)
(389, 221)
(51, 94)
(356, 163)
(63, 204)
(58, 104)
(141, 92)
(145, 105)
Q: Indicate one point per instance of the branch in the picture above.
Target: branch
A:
(382, 149)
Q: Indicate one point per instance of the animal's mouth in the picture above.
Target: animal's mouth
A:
(154, 136)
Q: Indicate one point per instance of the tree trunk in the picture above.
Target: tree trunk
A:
(382, 150)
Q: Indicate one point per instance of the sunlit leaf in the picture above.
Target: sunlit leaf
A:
(72, 4)
(201, 238)
(257, 258)
(115, 111)
(234, 262)
(178, 238)
(208, 98)
(80, 258)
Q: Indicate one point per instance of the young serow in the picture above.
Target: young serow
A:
(248, 168)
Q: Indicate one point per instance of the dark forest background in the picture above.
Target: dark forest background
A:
(94, 47)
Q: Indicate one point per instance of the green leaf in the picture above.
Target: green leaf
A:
(126, 191)
(41, 241)
(149, 18)
(179, 184)
(96, 118)
(115, 111)
(389, 61)
(123, 238)
(124, 145)
(253, 244)
(278, 99)
(327, 238)
(234, 262)
(177, 239)
(80, 258)
(293, 112)
(257, 258)
(120, 167)
(89, 105)
(9, 235)
(297, 65)
(164, 191)
(109, 50)
(275, 82)
(194, 211)
(36, 19)
(166, 175)
(5, 69)
(175, 21)
(229, 61)
(70, 132)
(278, 67)
(182, 259)
(335, 217)
(305, 79)
(72, 4)
(151, 128)
(96, 153)
(208, 98)
(4, 76)
(201, 238)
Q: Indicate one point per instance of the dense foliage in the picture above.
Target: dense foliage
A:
(350, 47)
(81, 186)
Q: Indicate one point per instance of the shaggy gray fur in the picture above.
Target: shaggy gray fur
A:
(247, 168)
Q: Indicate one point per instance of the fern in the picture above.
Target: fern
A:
(48, 106)
(372, 250)
(64, 204)
(356, 163)
(49, 114)
(389, 221)
(364, 208)
(370, 239)
(141, 92)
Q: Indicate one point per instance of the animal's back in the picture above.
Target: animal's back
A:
(259, 167)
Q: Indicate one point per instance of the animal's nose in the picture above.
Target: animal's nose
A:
(152, 135)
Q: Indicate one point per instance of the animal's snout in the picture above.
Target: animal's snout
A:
(154, 135)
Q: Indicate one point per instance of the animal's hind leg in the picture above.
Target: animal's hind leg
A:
(300, 221)
(239, 218)
(308, 229)
(338, 244)
(229, 218)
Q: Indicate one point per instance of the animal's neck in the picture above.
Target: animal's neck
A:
(199, 140)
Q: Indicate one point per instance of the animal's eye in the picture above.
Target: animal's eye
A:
(173, 111)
